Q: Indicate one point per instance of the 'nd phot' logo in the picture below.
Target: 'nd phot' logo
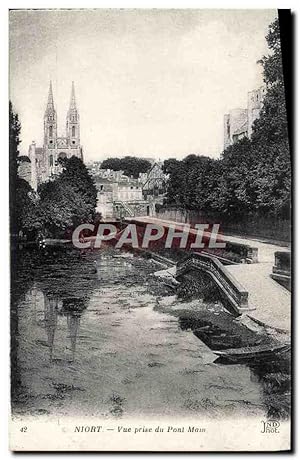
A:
(270, 426)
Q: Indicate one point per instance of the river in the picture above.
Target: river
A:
(117, 342)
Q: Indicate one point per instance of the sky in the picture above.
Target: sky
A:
(149, 82)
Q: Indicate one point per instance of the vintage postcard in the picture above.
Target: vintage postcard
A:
(150, 223)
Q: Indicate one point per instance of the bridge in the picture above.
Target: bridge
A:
(233, 291)
(249, 286)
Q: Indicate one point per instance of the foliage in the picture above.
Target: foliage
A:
(23, 158)
(253, 176)
(26, 208)
(132, 166)
(67, 201)
(14, 141)
(22, 199)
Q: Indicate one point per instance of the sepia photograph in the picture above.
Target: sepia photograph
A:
(150, 172)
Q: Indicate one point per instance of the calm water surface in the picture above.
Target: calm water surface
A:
(117, 342)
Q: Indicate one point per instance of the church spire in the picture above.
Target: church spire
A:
(50, 103)
(72, 100)
(72, 122)
(50, 121)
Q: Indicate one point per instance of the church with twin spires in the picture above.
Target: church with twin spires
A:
(44, 160)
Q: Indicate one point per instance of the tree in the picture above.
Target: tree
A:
(253, 177)
(26, 208)
(112, 163)
(175, 193)
(270, 135)
(238, 192)
(67, 201)
(22, 204)
(76, 174)
(14, 142)
(131, 166)
(59, 208)
(191, 182)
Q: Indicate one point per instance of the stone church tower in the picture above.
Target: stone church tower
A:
(55, 147)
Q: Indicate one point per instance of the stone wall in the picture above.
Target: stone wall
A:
(254, 226)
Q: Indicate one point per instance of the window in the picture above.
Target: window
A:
(51, 160)
(73, 131)
(50, 131)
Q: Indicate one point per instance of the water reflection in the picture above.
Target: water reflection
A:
(56, 308)
(21, 282)
(49, 290)
(50, 308)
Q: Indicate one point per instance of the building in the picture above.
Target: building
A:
(110, 174)
(119, 195)
(155, 181)
(235, 126)
(44, 160)
(119, 199)
(122, 196)
(238, 123)
(255, 103)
